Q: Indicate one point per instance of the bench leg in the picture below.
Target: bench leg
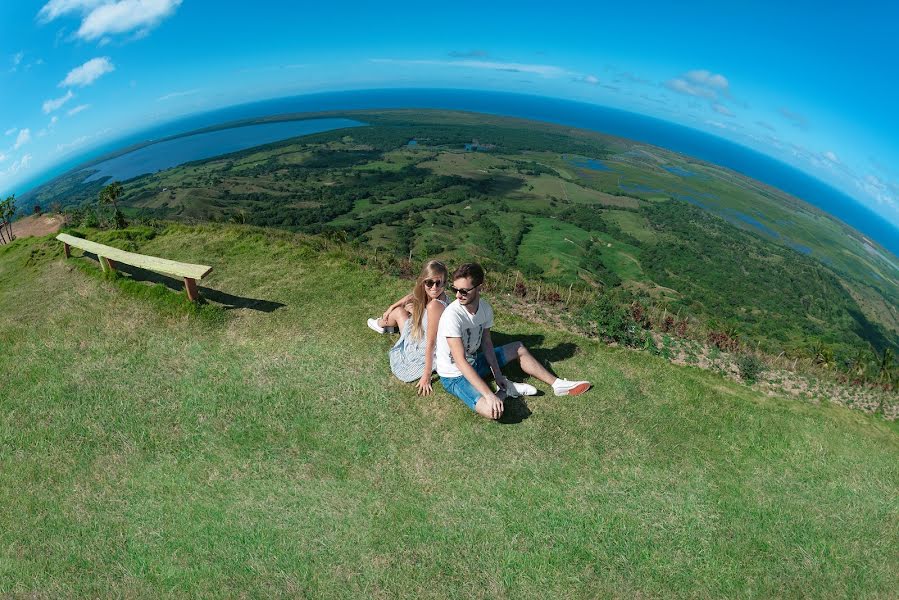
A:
(102, 262)
(65, 249)
(190, 285)
(111, 264)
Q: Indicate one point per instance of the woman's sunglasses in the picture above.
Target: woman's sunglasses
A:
(429, 283)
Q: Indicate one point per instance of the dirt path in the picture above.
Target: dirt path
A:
(37, 225)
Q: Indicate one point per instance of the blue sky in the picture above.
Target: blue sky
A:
(810, 84)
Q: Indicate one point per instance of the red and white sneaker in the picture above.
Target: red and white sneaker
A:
(563, 387)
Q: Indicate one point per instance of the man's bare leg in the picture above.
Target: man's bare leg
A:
(529, 364)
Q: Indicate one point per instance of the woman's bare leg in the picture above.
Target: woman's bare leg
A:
(397, 318)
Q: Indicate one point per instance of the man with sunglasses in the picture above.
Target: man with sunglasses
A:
(464, 330)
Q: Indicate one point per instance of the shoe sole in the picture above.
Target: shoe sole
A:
(383, 329)
(577, 390)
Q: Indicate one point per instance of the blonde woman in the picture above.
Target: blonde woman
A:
(416, 316)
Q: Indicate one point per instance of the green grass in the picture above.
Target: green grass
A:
(147, 451)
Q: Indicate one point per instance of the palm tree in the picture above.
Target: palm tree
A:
(110, 195)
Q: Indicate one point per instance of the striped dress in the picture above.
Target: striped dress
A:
(407, 357)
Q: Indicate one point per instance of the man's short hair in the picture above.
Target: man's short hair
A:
(472, 271)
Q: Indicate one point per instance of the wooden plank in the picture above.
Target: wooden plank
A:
(151, 263)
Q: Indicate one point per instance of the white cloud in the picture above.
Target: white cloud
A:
(88, 73)
(125, 16)
(56, 8)
(55, 104)
(797, 119)
(77, 109)
(708, 79)
(176, 95)
(682, 86)
(74, 143)
(46, 130)
(591, 79)
(101, 18)
(3, 157)
(23, 138)
(700, 83)
(721, 109)
(718, 124)
(80, 141)
(11, 131)
(16, 61)
(877, 189)
(543, 70)
(17, 166)
(829, 155)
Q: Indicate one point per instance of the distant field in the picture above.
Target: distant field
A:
(494, 202)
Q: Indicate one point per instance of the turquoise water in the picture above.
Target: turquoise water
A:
(171, 153)
(591, 164)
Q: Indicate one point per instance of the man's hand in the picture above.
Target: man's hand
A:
(424, 385)
(491, 407)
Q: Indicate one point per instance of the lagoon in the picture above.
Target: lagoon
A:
(173, 152)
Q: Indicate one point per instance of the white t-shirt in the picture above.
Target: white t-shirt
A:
(457, 322)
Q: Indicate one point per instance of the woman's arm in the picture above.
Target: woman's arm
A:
(401, 302)
(435, 309)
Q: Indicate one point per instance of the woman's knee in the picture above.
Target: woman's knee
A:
(399, 313)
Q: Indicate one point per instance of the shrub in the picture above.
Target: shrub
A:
(611, 322)
(750, 367)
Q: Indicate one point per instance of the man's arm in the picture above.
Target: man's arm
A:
(490, 355)
(494, 404)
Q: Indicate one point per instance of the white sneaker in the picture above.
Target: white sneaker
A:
(373, 325)
(563, 387)
(520, 389)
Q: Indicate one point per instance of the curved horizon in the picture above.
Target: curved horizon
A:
(86, 72)
(593, 117)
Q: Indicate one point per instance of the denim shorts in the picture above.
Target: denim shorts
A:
(462, 389)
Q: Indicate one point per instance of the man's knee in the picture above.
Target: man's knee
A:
(515, 349)
(483, 409)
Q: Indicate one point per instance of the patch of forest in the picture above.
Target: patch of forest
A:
(513, 201)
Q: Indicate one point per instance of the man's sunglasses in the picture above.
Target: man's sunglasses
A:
(429, 283)
(462, 291)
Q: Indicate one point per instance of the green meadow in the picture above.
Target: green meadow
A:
(570, 207)
(258, 446)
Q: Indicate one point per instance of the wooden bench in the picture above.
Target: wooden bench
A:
(109, 256)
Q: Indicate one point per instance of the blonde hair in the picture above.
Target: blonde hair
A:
(432, 269)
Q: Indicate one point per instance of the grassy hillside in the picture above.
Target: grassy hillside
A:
(568, 206)
(261, 447)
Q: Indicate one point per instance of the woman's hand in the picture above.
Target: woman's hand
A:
(424, 385)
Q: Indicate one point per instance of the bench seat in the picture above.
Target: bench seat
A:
(108, 256)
